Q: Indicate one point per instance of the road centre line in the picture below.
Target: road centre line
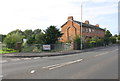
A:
(102, 54)
(62, 64)
(105, 53)
(67, 63)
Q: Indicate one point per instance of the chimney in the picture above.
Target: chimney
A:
(86, 22)
(97, 25)
(70, 18)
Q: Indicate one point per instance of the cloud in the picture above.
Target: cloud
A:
(32, 14)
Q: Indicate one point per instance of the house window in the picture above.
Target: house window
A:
(83, 30)
(87, 30)
(59, 38)
(90, 30)
(93, 30)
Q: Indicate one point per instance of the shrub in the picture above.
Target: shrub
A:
(12, 39)
(77, 43)
(113, 40)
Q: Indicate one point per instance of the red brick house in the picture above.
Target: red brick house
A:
(72, 28)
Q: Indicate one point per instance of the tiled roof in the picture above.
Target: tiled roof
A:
(87, 25)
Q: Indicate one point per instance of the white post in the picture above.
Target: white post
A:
(81, 26)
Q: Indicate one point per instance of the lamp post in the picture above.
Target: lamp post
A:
(81, 27)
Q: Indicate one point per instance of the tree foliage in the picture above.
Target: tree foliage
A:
(28, 33)
(51, 35)
(16, 31)
(39, 38)
(12, 39)
(2, 37)
(77, 42)
(113, 40)
(107, 37)
(108, 34)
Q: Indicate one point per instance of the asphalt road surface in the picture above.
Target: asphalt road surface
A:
(97, 64)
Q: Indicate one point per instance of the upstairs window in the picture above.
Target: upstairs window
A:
(87, 29)
(90, 30)
(83, 29)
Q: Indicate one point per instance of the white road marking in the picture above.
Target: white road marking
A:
(102, 54)
(26, 58)
(3, 61)
(106, 53)
(67, 63)
(62, 64)
(51, 66)
(1, 75)
(36, 58)
(32, 71)
(15, 59)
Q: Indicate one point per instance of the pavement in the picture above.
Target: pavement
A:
(48, 54)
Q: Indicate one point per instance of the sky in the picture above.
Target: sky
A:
(40, 14)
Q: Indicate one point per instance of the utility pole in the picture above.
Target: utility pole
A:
(81, 27)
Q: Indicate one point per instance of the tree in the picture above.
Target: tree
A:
(28, 33)
(39, 38)
(37, 31)
(119, 37)
(108, 34)
(12, 39)
(115, 35)
(2, 37)
(51, 35)
(107, 37)
(16, 31)
(33, 37)
(113, 40)
(29, 36)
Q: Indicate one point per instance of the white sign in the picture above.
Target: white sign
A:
(46, 47)
(24, 40)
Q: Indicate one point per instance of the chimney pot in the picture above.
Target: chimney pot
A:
(70, 18)
(86, 22)
(97, 25)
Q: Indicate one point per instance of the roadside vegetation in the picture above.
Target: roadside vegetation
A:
(96, 42)
(29, 40)
(7, 50)
(32, 40)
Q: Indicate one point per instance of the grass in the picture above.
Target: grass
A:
(7, 50)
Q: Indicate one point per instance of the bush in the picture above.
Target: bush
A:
(77, 43)
(12, 39)
(113, 40)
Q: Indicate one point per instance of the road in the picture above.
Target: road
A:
(97, 64)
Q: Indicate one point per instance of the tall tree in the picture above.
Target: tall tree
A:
(107, 37)
(39, 38)
(28, 33)
(51, 35)
(108, 34)
(37, 31)
(16, 31)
